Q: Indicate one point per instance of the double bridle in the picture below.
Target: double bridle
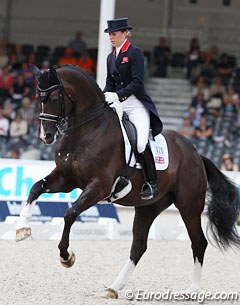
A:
(64, 123)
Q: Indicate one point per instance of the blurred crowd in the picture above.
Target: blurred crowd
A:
(18, 104)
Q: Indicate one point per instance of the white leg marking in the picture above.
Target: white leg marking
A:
(197, 271)
(123, 276)
(25, 215)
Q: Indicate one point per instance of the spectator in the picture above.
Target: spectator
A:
(6, 84)
(8, 111)
(3, 58)
(193, 58)
(200, 87)
(18, 126)
(209, 67)
(15, 153)
(28, 112)
(231, 102)
(86, 63)
(78, 45)
(161, 57)
(227, 163)
(198, 108)
(68, 58)
(203, 131)
(225, 69)
(28, 77)
(19, 90)
(217, 89)
(14, 64)
(18, 51)
(215, 103)
(187, 130)
(4, 127)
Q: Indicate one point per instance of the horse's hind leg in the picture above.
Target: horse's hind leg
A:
(192, 220)
(143, 219)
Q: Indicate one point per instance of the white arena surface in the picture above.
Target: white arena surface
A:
(31, 272)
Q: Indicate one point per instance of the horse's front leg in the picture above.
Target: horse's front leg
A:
(94, 192)
(53, 183)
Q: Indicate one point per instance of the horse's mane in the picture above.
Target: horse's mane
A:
(47, 79)
(87, 75)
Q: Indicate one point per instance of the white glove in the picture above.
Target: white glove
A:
(111, 97)
(113, 100)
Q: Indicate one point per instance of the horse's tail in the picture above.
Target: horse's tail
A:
(223, 208)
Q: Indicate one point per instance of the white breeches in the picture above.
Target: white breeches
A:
(140, 117)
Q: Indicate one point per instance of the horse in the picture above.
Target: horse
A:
(90, 156)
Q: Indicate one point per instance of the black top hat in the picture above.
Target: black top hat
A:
(117, 25)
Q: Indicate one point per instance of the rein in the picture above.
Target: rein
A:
(60, 119)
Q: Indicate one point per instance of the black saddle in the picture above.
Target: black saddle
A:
(131, 132)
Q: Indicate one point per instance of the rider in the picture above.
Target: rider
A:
(125, 86)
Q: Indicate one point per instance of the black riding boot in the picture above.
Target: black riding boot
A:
(149, 188)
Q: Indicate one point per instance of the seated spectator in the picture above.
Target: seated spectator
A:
(28, 76)
(31, 59)
(193, 58)
(4, 127)
(6, 84)
(198, 108)
(45, 65)
(15, 153)
(18, 126)
(227, 163)
(231, 102)
(19, 90)
(225, 69)
(215, 102)
(203, 131)
(18, 51)
(217, 89)
(3, 58)
(86, 63)
(161, 57)
(187, 130)
(28, 112)
(14, 64)
(78, 45)
(9, 111)
(200, 87)
(208, 67)
(68, 58)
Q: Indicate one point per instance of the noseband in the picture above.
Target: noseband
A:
(61, 120)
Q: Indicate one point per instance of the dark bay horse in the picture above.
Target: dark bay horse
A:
(90, 156)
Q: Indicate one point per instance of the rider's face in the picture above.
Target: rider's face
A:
(117, 38)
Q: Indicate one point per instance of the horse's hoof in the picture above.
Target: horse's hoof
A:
(110, 294)
(68, 262)
(23, 233)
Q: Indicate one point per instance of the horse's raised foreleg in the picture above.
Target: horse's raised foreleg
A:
(53, 183)
(199, 245)
(93, 192)
(143, 219)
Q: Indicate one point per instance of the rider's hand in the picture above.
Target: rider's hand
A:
(111, 97)
(113, 101)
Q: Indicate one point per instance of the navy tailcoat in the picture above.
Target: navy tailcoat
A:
(125, 76)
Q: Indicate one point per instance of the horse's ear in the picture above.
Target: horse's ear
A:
(53, 72)
(35, 70)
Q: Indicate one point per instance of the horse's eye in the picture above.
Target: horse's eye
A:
(54, 100)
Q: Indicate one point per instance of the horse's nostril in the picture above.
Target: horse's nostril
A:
(48, 135)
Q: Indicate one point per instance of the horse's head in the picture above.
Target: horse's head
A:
(52, 96)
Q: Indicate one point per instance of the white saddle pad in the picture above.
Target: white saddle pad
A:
(159, 149)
